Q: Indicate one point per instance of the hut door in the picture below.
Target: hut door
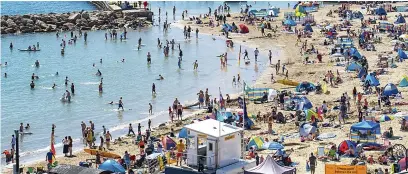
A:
(210, 160)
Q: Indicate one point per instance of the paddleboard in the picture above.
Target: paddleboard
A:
(102, 153)
(140, 45)
(26, 133)
(137, 49)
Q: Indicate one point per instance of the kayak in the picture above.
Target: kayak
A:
(102, 153)
(28, 50)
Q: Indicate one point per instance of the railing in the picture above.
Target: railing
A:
(187, 157)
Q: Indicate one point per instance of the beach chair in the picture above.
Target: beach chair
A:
(30, 170)
(321, 154)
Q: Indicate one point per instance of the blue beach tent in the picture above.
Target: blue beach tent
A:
(365, 126)
(273, 146)
(403, 82)
(400, 20)
(354, 53)
(304, 86)
(362, 73)
(306, 103)
(354, 66)
(290, 22)
(402, 54)
(390, 89)
(308, 28)
(113, 166)
(373, 81)
(380, 11)
(183, 133)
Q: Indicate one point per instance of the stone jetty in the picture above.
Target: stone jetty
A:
(85, 20)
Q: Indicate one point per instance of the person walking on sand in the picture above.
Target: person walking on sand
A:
(277, 67)
(49, 157)
(131, 130)
(313, 163)
(180, 111)
(234, 81)
(287, 74)
(108, 138)
(270, 57)
(180, 150)
(150, 109)
(120, 104)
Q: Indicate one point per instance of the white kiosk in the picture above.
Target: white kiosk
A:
(213, 144)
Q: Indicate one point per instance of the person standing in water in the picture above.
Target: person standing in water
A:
(66, 80)
(180, 54)
(149, 123)
(239, 79)
(256, 52)
(72, 88)
(153, 89)
(68, 95)
(37, 63)
(150, 109)
(100, 88)
(246, 54)
(179, 63)
(11, 45)
(270, 57)
(149, 59)
(32, 85)
(195, 65)
(277, 67)
(197, 32)
(120, 104)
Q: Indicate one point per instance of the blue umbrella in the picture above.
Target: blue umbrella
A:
(113, 166)
(272, 146)
(183, 133)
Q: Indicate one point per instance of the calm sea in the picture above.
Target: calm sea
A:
(131, 79)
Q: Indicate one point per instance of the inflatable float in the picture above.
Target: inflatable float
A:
(102, 153)
(288, 82)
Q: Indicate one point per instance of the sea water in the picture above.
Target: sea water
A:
(132, 80)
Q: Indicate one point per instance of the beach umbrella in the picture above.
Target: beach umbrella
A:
(272, 146)
(384, 118)
(113, 166)
(256, 142)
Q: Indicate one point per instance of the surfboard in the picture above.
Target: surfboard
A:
(137, 49)
(102, 153)
(26, 133)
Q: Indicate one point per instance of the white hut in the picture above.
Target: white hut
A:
(213, 143)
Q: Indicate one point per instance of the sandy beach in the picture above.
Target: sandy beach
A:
(298, 71)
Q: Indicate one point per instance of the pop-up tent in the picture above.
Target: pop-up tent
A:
(305, 86)
(402, 54)
(390, 89)
(183, 133)
(371, 126)
(168, 142)
(354, 53)
(269, 166)
(308, 28)
(304, 103)
(400, 20)
(346, 145)
(358, 15)
(354, 66)
(361, 73)
(290, 22)
(403, 82)
(243, 28)
(256, 142)
(272, 146)
(305, 129)
(113, 166)
(380, 11)
(300, 11)
(372, 80)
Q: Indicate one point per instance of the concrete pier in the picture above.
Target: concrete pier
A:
(134, 12)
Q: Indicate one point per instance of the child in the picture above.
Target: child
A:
(171, 114)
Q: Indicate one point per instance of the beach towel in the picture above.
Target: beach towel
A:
(326, 135)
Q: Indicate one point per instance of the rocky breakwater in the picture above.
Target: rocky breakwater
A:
(95, 20)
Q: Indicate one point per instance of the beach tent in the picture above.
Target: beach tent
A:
(400, 20)
(305, 129)
(361, 73)
(365, 126)
(354, 66)
(248, 123)
(183, 133)
(227, 27)
(346, 145)
(243, 28)
(305, 85)
(169, 142)
(113, 166)
(354, 53)
(402, 54)
(403, 163)
(256, 142)
(308, 28)
(272, 146)
(290, 22)
(269, 166)
(384, 118)
(390, 89)
(358, 15)
(373, 81)
(306, 104)
(300, 11)
(380, 11)
(403, 82)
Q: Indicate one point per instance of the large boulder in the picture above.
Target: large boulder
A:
(4, 23)
(41, 24)
(10, 23)
(74, 17)
(10, 30)
(26, 21)
(68, 25)
(26, 16)
(85, 15)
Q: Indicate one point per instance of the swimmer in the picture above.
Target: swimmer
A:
(161, 77)
(123, 60)
(11, 45)
(53, 86)
(27, 126)
(34, 77)
(195, 65)
(37, 63)
(5, 75)
(66, 80)
(93, 64)
(149, 59)
(140, 41)
(21, 128)
(5, 63)
(32, 85)
(56, 73)
(100, 61)
(99, 73)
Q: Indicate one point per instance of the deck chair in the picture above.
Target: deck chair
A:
(320, 153)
